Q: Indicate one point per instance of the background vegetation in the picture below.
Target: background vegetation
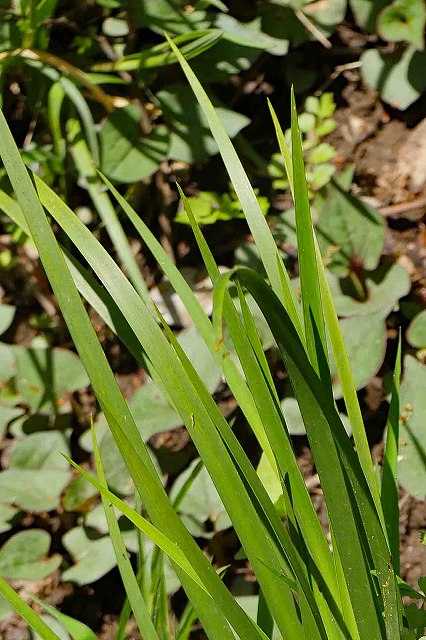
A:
(94, 85)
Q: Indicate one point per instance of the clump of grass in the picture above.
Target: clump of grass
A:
(310, 588)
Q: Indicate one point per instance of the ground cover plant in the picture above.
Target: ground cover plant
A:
(71, 94)
(346, 586)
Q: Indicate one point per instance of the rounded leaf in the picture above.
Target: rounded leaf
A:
(416, 333)
(25, 556)
(126, 156)
(412, 434)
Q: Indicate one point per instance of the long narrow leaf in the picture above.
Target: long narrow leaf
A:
(325, 432)
(112, 401)
(311, 296)
(86, 167)
(255, 218)
(25, 611)
(140, 610)
(389, 490)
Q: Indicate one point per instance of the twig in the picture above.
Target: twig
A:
(336, 73)
(402, 207)
(313, 29)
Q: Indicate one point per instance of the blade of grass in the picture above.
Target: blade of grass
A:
(325, 433)
(333, 330)
(160, 539)
(284, 150)
(186, 623)
(138, 605)
(347, 382)
(298, 499)
(193, 44)
(86, 168)
(112, 402)
(25, 611)
(311, 296)
(389, 489)
(255, 218)
(76, 629)
(291, 552)
(198, 316)
(76, 97)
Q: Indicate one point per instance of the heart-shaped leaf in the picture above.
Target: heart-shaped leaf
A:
(400, 79)
(44, 376)
(8, 517)
(40, 451)
(33, 491)
(349, 230)
(403, 20)
(384, 287)
(366, 12)
(191, 140)
(126, 155)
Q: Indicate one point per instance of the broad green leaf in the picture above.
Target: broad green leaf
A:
(33, 490)
(366, 12)
(412, 433)
(349, 230)
(191, 140)
(25, 556)
(327, 16)
(399, 79)
(40, 451)
(228, 59)
(45, 375)
(281, 22)
(384, 288)
(250, 34)
(126, 155)
(9, 516)
(365, 341)
(93, 557)
(168, 16)
(78, 495)
(403, 20)
(201, 503)
(7, 312)
(152, 411)
(416, 332)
